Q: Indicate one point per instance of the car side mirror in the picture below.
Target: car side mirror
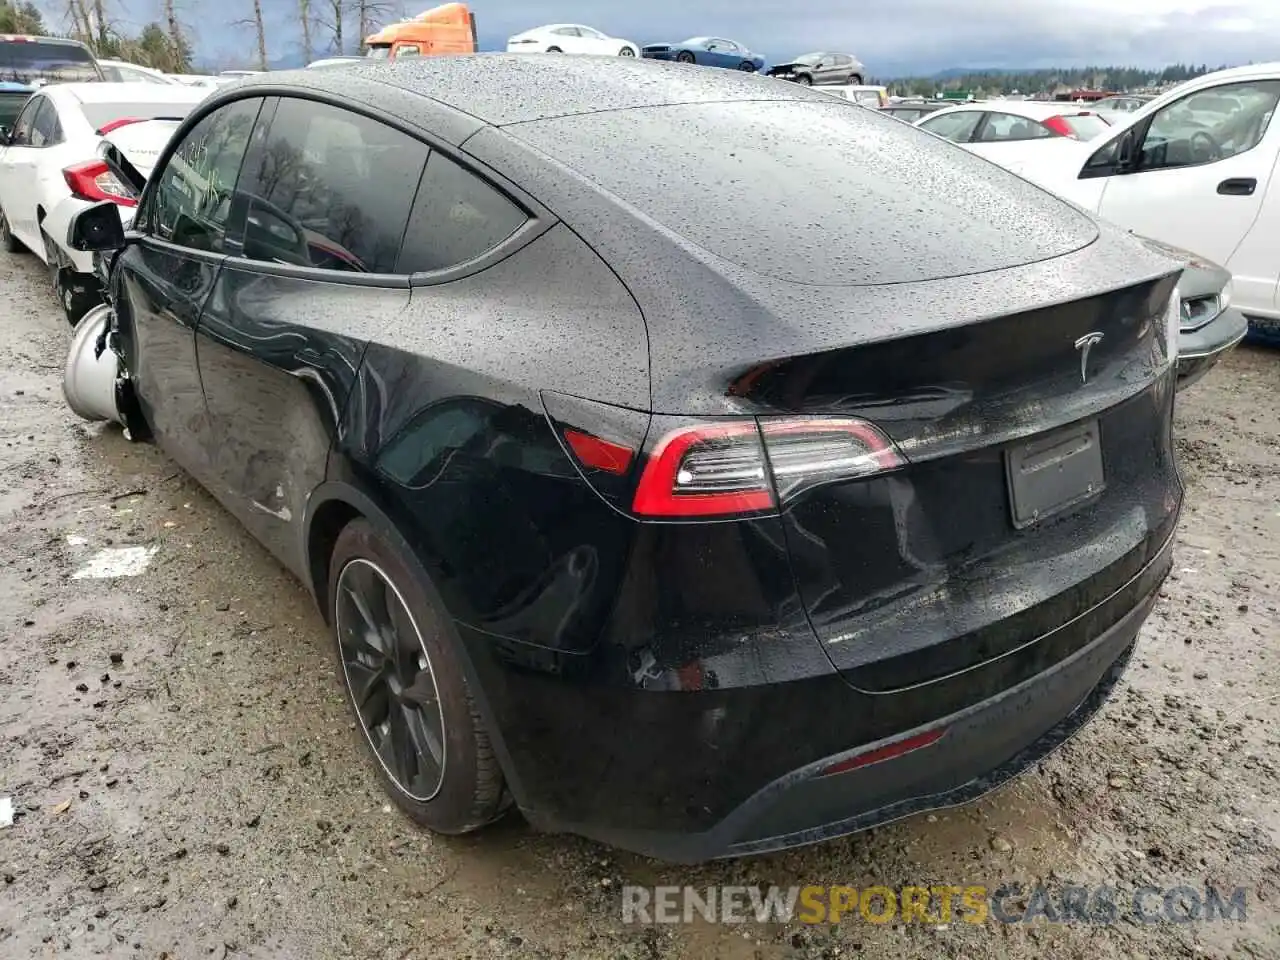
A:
(96, 228)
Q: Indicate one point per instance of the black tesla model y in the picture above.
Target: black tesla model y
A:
(695, 462)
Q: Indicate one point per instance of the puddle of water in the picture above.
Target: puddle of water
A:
(116, 562)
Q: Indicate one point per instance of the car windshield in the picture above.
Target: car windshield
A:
(27, 61)
(809, 59)
(1086, 126)
(380, 51)
(101, 114)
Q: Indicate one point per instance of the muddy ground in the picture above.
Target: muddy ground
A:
(187, 781)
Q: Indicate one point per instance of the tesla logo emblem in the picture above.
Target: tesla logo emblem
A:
(1084, 345)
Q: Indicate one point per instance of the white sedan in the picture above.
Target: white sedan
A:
(1016, 133)
(1197, 168)
(571, 38)
(50, 160)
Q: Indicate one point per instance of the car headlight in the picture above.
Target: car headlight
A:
(1195, 312)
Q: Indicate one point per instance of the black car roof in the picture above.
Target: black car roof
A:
(501, 89)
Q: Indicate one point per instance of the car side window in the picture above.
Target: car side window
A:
(566, 32)
(1004, 127)
(456, 217)
(408, 50)
(331, 189)
(45, 128)
(840, 60)
(956, 127)
(21, 136)
(192, 198)
(1209, 125)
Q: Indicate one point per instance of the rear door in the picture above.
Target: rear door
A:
(1195, 172)
(32, 162)
(163, 280)
(17, 171)
(1010, 140)
(836, 68)
(320, 210)
(958, 127)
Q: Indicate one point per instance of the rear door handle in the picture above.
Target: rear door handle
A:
(1238, 187)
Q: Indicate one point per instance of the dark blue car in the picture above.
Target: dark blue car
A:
(708, 51)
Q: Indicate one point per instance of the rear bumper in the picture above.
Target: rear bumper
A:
(982, 745)
(1200, 350)
(982, 748)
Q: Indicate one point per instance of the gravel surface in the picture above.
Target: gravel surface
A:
(187, 782)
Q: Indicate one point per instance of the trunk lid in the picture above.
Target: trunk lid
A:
(142, 142)
(1039, 483)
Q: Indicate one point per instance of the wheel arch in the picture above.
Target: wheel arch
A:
(334, 504)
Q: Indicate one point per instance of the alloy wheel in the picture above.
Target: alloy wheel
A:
(389, 678)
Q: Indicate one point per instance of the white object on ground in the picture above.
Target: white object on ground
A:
(116, 562)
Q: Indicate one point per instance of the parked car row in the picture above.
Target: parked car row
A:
(588, 480)
(808, 69)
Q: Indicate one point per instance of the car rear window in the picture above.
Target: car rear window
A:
(25, 61)
(1086, 126)
(813, 191)
(101, 114)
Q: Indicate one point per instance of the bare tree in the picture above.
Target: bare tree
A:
(256, 22)
(335, 14)
(100, 21)
(79, 20)
(172, 25)
(304, 8)
(369, 12)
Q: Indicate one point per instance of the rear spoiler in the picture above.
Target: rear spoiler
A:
(106, 128)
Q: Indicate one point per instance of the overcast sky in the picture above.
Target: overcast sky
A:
(888, 35)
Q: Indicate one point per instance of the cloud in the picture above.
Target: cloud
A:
(900, 36)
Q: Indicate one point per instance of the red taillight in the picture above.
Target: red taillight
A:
(598, 454)
(888, 752)
(727, 469)
(93, 180)
(117, 124)
(705, 470)
(1058, 126)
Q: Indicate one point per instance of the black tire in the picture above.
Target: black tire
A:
(470, 791)
(855, 80)
(804, 80)
(684, 56)
(746, 66)
(8, 242)
(554, 50)
(77, 293)
(626, 52)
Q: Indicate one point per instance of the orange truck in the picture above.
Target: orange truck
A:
(449, 28)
